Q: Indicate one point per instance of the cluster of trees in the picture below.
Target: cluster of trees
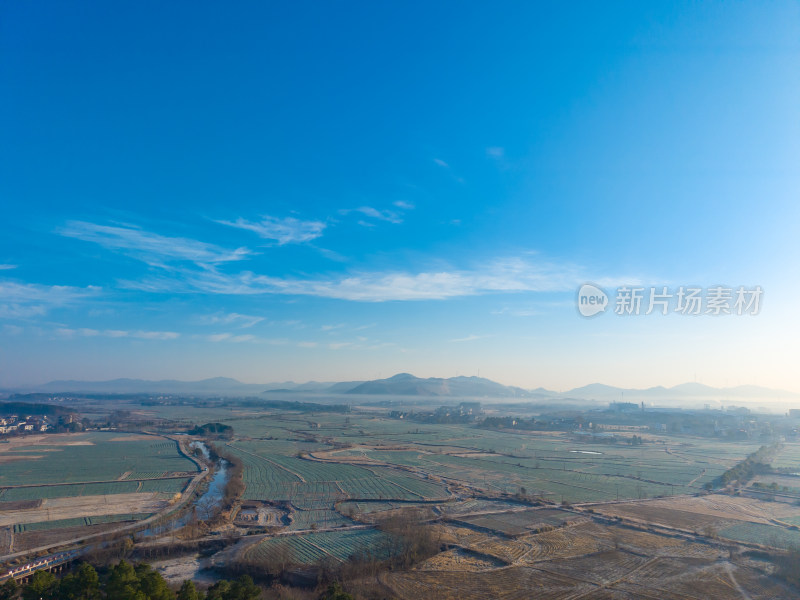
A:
(217, 430)
(123, 581)
(635, 440)
(408, 540)
(511, 423)
(787, 564)
(756, 463)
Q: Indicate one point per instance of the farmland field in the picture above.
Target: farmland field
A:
(541, 510)
(314, 547)
(89, 457)
(65, 481)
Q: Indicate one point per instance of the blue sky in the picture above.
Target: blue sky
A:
(330, 191)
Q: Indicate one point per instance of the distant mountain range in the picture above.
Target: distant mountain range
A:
(405, 384)
(598, 391)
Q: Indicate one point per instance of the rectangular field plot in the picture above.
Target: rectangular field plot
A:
(169, 487)
(788, 458)
(314, 547)
(518, 523)
(59, 509)
(90, 457)
(309, 484)
(79, 521)
(321, 519)
(766, 535)
(513, 583)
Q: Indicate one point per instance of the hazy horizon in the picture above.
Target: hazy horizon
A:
(271, 193)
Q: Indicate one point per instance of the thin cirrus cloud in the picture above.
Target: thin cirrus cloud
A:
(389, 216)
(151, 248)
(7, 267)
(496, 152)
(229, 337)
(116, 333)
(25, 300)
(469, 338)
(235, 319)
(502, 276)
(284, 231)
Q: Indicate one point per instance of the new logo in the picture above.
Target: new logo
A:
(591, 300)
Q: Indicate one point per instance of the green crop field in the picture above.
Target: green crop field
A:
(166, 486)
(555, 467)
(757, 533)
(517, 523)
(315, 547)
(97, 458)
(78, 522)
(788, 458)
(320, 519)
(96, 463)
(307, 484)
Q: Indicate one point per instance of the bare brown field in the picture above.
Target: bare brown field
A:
(54, 509)
(758, 586)
(6, 536)
(605, 567)
(669, 517)
(686, 578)
(464, 536)
(53, 537)
(589, 561)
(695, 512)
(642, 540)
(459, 559)
(510, 583)
(609, 575)
(131, 437)
(20, 505)
(510, 551)
(55, 439)
(581, 539)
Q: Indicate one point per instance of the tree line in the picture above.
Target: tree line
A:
(122, 581)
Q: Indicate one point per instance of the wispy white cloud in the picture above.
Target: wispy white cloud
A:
(307, 344)
(229, 337)
(116, 333)
(501, 276)
(496, 151)
(451, 172)
(22, 311)
(469, 338)
(239, 320)
(151, 248)
(403, 205)
(516, 312)
(218, 337)
(373, 213)
(7, 267)
(285, 231)
(25, 300)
